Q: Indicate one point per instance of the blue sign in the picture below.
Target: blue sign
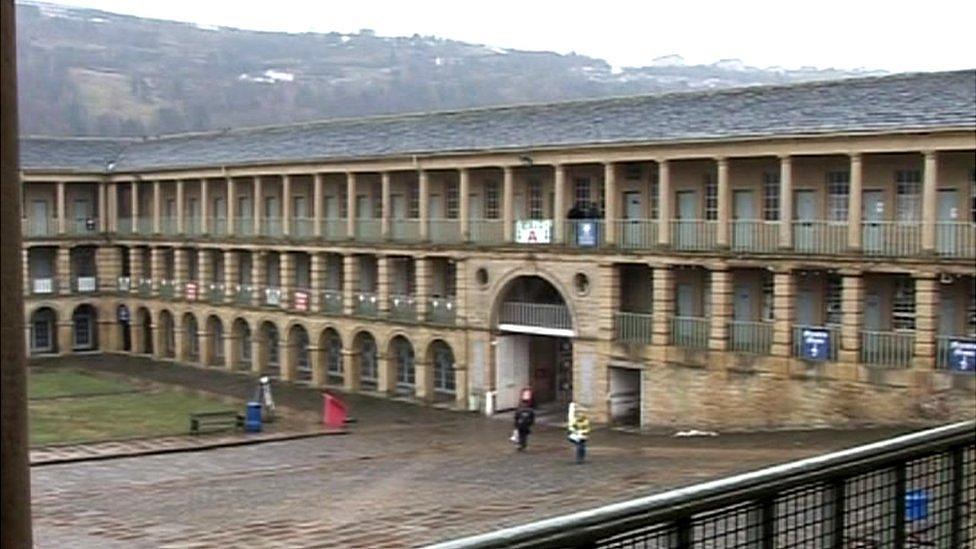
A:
(123, 313)
(586, 233)
(815, 344)
(962, 355)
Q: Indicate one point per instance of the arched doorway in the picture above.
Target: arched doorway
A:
(242, 343)
(84, 328)
(167, 334)
(331, 344)
(269, 345)
(441, 359)
(533, 345)
(43, 331)
(404, 363)
(191, 338)
(124, 317)
(215, 333)
(301, 363)
(144, 325)
(366, 365)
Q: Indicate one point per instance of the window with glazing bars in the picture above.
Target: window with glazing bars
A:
(654, 197)
(903, 305)
(343, 204)
(491, 200)
(711, 197)
(413, 199)
(535, 199)
(451, 199)
(832, 302)
(771, 196)
(767, 293)
(377, 198)
(581, 192)
(838, 195)
(908, 192)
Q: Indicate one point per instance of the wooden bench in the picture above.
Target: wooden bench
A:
(201, 422)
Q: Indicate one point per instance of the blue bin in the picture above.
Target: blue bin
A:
(916, 505)
(252, 419)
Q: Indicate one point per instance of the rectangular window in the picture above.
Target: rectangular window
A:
(413, 206)
(82, 332)
(771, 196)
(654, 188)
(832, 302)
(908, 194)
(581, 191)
(903, 305)
(343, 204)
(711, 198)
(838, 195)
(451, 201)
(535, 199)
(377, 198)
(767, 304)
(491, 200)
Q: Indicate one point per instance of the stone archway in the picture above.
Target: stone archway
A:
(440, 357)
(299, 357)
(330, 345)
(403, 365)
(269, 359)
(144, 327)
(213, 354)
(43, 331)
(366, 361)
(191, 338)
(242, 348)
(167, 335)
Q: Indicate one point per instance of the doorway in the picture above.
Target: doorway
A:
(541, 363)
(625, 396)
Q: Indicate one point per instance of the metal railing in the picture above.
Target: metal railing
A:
(584, 233)
(369, 230)
(541, 315)
(750, 337)
(83, 226)
(486, 231)
(145, 287)
(444, 231)
(334, 229)
(123, 284)
(243, 227)
(271, 227)
(690, 331)
(36, 227)
(403, 307)
(332, 301)
(633, 327)
(144, 226)
(637, 234)
(303, 228)
(167, 289)
(244, 294)
(85, 284)
(42, 286)
(891, 238)
(754, 235)
(887, 348)
(124, 225)
(955, 239)
(216, 292)
(693, 234)
(365, 304)
(218, 226)
(405, 230)
(441, 310)
(950, 356)
(192, 226)
(167, 226)
(829, 353)
(914, 490)
(820, 237)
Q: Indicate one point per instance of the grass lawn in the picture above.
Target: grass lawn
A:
(85, 417)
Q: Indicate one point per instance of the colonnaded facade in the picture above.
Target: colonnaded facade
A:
(756, 257)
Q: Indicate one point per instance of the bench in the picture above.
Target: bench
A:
(215, 421)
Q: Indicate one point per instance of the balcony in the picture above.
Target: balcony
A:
(820, 237)
(42, 286)
(636, 328)
(85, 284)
(637, 234)
(754, 236)
(441, 310)
(334, 229)
(486, 231)
(167, 226)
(145, 287)
(124, 225)
(369, 230)
(955, 240)
(36, 228)
(218, 226)
(690, 332)
(303, 228)
(144, 226)
(332, 301)
(949, 355)
(829, 353)
(365, 304)
(750, 337)
(192, 226)
(271, 227)
(83, 226)
(444, 231)
(516, 314)
(244, 295)
(123, 284)
(216, 292)
(693, 234)
(585, 233)
(403, 307)
(891, 349)
(167, 289)
(891, 238)
(243, 227)
(405, 230)
(272, 296)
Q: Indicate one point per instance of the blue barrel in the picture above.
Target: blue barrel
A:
(916, 505)
(252, 419)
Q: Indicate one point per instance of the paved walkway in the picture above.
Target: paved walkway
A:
(407, 475)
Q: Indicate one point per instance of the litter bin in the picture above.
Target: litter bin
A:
(334, 412)
(916, 505)
(252, 419)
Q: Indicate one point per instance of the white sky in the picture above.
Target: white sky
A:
(893, 35)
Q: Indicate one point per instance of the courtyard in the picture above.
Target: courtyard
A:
(404, 475)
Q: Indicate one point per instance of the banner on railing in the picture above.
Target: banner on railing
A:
(301, 300)
(191, 291)
(962, 355)
(586, 233)
(815, 344)
(533, 231)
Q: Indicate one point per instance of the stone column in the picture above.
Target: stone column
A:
(721, 310)
(348, 282)
(286, 357)
(854, 213)
(926, 320)
(258, 260)
(785, 202)
(102, 208)
(608, 293)
(930, 193)
(157, 206)
(113, 207)
(423, 273)
(852, 320)
(231, 206)
(231, 354)
(559, 208)
(464, 203)
(259, 351)
(724, 197)
(424, 379)
(232, 266)
(180, 271)
(460, 385)
(386, 373)
(136, 269)
(663, 305)
(610, 202)
(134, 192)
(157, 268)
(180, 206)
(258, 205)
(317, 182)
(204, 206)
(179, 338)
(350, 205)
(66, 340)
(63, 270)
(784, 295)
(108, 334)
(286, 270)
(204, 272)
(423, 189)
(318, 283)
(316, 356)
(286, 204)
(383, 284)
(62, 209)
(204, 338)
(108, 266)
(350, 370)
(664, 203)
(508, 208)
(385, 204)
(461, 291)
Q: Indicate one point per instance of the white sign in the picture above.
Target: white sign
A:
(533, 231)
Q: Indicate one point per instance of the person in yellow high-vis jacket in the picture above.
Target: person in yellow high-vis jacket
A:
(579, 431)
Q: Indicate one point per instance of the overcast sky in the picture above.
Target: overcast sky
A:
(889, 35)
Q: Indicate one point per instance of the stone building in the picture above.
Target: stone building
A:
(757, 257)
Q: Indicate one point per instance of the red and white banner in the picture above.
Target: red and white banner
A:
(301, 300)
(191, 291)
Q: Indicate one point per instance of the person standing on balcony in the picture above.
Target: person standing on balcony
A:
(524, 419)
(579, 431)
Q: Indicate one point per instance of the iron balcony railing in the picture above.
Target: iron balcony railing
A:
(218, 226)
(820, 237)
(271, 227)
(914, 490)
(167, 226)
(891, 238)
(754, 235)
(690, 331)
(369, 230)
(633, 327)
(83, 226)
(540, 315)
(441, 310)
(893, 349)
(42, 286)
(192, 226)
(85, 284)
(334, 229)
(750, 337)
(584, 233)
(637, 234)
(243, 227)
(955, 239)
(37, 227)
(272, 296)
(145, 287)
(693, 234)
(365, 304)
(167, 289)
(828, 353)
(144, 226)
(403, 307)
(124, 225)
(486, 231)
(444, 231)
(123, 284)
(332, 301)
(216, 292)
(405, 230)
(950, 356)
(244, 294)
(303, 228)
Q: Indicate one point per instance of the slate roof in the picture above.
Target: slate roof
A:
(915, 101)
